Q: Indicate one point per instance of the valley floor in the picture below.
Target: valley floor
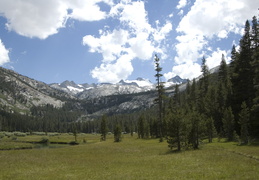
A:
(130, 159)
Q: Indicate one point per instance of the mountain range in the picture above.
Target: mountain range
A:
(89, 91)
(19, 93)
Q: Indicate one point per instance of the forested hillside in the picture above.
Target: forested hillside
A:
(222, 104)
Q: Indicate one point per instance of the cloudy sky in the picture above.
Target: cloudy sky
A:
(109, 40)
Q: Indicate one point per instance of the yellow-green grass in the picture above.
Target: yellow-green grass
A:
(130, 159)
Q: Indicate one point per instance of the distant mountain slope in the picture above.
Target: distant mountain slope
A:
(177, 80)
(90, 91)
(19, 93)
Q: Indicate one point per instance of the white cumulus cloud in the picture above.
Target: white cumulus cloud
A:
(113, 72)
(206, 20)
(4, 54)
(42, 18)
(215, 58)
(135, 38)
(181, 4)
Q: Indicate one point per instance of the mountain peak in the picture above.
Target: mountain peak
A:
(140, 79)
(177, 80)
(68, 83)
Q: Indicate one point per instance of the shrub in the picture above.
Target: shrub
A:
(74, 143)
(53, 134)
(39, 133)
(20, 134)
(44, 140)
(2, 135)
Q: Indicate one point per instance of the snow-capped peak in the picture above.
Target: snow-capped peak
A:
(141, 82)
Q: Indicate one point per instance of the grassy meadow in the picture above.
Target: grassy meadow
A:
(130, 159)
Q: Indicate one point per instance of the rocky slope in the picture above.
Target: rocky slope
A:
(19, 92)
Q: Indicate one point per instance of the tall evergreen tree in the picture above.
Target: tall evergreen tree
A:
(243, 74)
(228, 124)
(176, 129)
(160, 95)
(204, 86)
(210, 128)
(244, 123)
(141, 126)
(117, 133)
(205, 76)
(193, 95)
(195, 128)
(104, 128)
(255, 66)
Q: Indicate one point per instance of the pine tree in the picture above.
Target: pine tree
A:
(176, 137)
(117, 133)
(243, 75)
(195, 128)
(141, 126)
(244, 123)
(160, 96)
(204, 86)
(193, 95)
(104, 128)
(255, 34)
(210, 128)
(205, 77)
(228, 124)
(255, 66)
(234, 55)
(175, 117)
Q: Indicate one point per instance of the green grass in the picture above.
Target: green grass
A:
(130, 159)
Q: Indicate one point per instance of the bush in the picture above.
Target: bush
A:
(39, 133)
(14, 138)
(9, 134)
(2, 135)
(44, 140)
(53, 134)
(20, 134)
(74, 143)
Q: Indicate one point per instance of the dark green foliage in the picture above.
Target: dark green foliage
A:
(117, 133)
(195, 128)
(160, 96)
(104, 128)
(177, 132)
(228, 124)
(75, 131)
(204, 81)
(210, 129)
(244, 123)
(143, 127)
(255, 66)
(242, 79)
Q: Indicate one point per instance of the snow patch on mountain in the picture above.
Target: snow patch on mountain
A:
(75, 90)
(141, 82)
(105, 89)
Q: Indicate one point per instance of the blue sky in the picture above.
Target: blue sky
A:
(109, 40)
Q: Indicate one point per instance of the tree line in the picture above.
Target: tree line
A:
(223, 104)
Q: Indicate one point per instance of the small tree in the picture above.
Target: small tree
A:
(228, 124)
(195, 128)
(176, 129)
(75, 131)
(244, 123)
(210, 128)
(117, 134)
(104, 128)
